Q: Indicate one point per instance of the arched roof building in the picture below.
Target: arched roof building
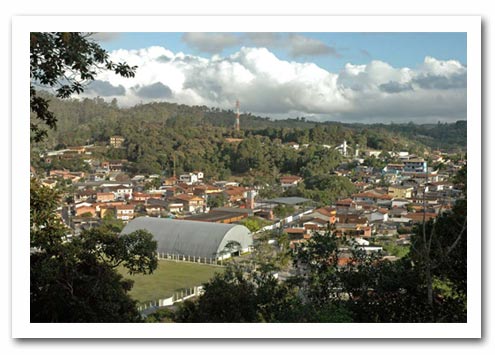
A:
(192, 238)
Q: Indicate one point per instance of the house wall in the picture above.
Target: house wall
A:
(85, 209)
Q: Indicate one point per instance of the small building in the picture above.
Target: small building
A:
(116, 141)
(219, 216)
(401, 192)
(352, 229)
(105, 196)
(175, 206)
(113, 165)
(415, 166)
(326, 213)
(191, 178)
(122, 192)
(124, 212)
(297, 234)
(203, 190)
(235, 194)
(155, 207)
(170, 181)
(393, 168)
(191, 203)
(373, 153)
(86, 210)
(289, 181)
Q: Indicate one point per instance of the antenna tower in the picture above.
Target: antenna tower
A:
(238, 116)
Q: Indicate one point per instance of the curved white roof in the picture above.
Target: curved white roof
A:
(199, 239)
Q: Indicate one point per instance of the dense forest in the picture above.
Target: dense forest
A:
(159, 136)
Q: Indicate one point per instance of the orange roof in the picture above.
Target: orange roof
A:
(125, 207)
(373, 195)
(290, 178)
(294, 230)
(110, 204)
(186, 197)
(327, 211)
(418, 217)
(235, 190)
(345, 201)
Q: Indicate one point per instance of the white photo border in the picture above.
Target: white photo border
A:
(22, 25)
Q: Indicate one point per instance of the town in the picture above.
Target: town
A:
(385, 206)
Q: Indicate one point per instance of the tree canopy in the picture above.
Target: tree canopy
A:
(65, 62)
(74, 279)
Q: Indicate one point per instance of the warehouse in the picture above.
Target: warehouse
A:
(193, 238)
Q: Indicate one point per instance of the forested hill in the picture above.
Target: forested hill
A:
(93, 120)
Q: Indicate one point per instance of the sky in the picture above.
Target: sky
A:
(347, 77)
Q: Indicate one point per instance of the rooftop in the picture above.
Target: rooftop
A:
(288, 200)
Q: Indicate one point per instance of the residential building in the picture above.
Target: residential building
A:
(189, 178)
(175, 206)
(86, 210)
(124, 212)
(116, 141)
(105, 196)
(169, 181)
(415, 166)
(289, 181)
(219, 216)
(235, 194)
(122, 192)
(191, 203)
(401, 192)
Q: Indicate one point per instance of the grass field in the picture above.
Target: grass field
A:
(167, 278)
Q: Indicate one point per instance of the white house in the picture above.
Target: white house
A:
(122, 192)
(191, 178)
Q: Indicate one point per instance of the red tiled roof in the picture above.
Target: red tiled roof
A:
(418, 217)
(373, 195)
(125, 207)
(235, 190)
(345, 201)
(290, 179)
(327, 211)
(186, 197)
(294, 230)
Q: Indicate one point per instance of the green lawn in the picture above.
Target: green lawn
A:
(168, 277)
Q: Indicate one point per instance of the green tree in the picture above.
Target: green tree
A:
(216, 200)
(228, 297)
(75, 280)
(64, 61)
(282, 211)
(439, 248)
(254, 224)
(238, 297)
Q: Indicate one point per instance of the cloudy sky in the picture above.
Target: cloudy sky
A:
(348, 77)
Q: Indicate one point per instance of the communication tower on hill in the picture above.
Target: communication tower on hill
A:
(238, 116)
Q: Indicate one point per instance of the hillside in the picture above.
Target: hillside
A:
(161, 136)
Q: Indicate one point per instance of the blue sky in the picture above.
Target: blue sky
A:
(349, 77)
(397, 49)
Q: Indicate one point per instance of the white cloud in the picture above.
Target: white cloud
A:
(267, 85)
